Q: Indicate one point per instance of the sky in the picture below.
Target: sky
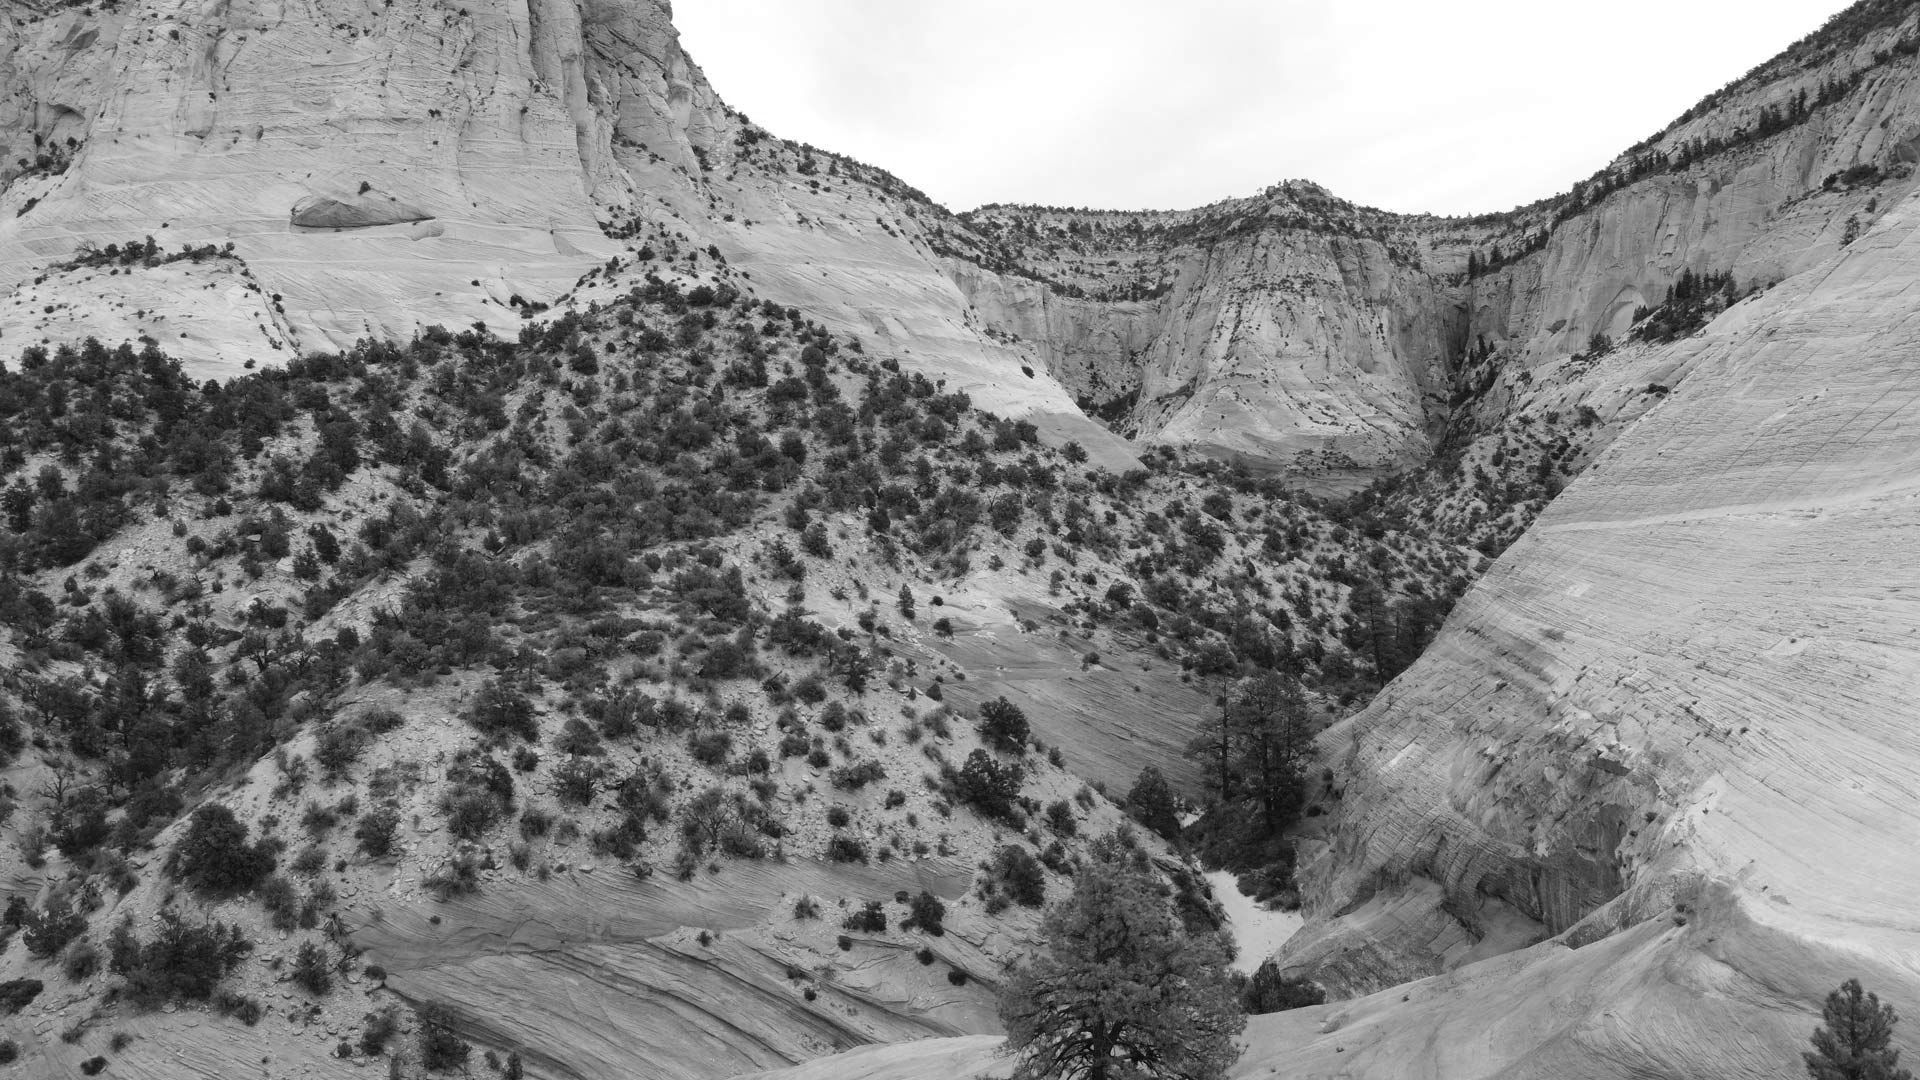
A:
(1454, 108)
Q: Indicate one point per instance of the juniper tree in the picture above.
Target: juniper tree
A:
(1151, 803)
(1120, 990)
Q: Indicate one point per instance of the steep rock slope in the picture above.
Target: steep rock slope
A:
(1747, 187)
(1290, 331)
(1650, 795)
(1677, 712)
(382, 168)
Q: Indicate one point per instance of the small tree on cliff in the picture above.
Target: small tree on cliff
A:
(1852, 1044)
(1120, 990)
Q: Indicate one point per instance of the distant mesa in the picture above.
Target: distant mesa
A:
(364, 210)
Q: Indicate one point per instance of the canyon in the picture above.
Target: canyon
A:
(1645, 799)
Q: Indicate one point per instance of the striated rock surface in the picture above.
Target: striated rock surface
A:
(596, 974)
(431, 162)
(1672, 729)
(1288, 336)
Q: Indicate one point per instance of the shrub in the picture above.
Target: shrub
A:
(846, 849)
(277, 895)
(710, 748)
(1016, 872)
(987, 786)
(337, 748)
(577, 781)
(870, 919)
(471, 812)
(458, 876)
(501, 710)
(1269, 991)
(855, 777)
(242, 1008)
(813, 541)
(577, 737)
(310, 970)
(1004, 726)
(957, 977)
(1060, 818)
(17, 994)
(440, 1048)
(926, 912)
(93, 1066)
(376, 831)
(379, 1030)
(310, 861)
(535, 822)
(214, 855)
(9, 1051)
(184, 960)
(837, 816)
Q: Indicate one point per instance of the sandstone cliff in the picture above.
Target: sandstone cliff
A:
(381, 169)
(473, 162)
(1671, 731)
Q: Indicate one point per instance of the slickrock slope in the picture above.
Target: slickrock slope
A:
(1763, 207)
(381, 168)
(1682, 704)
(597, 974)
(1291, 330)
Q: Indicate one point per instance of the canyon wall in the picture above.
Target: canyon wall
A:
(1678, 712)
(378, 168)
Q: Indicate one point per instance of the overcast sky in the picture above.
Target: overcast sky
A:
(1458, 107)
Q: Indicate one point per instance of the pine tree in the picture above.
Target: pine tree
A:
(1270, 713)
(1852, 1044)
(1151, 803)
(1120, 990)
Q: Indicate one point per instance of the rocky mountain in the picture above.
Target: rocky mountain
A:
(379, 169)
(1643, 800)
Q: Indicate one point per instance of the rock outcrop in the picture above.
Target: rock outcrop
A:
(438, 163)
(1672, 729)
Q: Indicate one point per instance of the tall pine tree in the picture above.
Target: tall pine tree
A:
(1120, 990)
(1853, 1043)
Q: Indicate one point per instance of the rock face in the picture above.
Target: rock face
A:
(357, 212)
(426, 162)
(595, 974)
(1323, 352)
(431, 162)
(1673, 728)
